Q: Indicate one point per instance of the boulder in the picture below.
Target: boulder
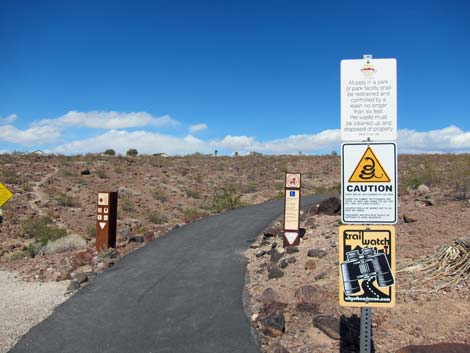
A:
(306, 298)
(316, 253)
(310, 265)
(275, 272)
(423, 189)
(273, 325)
(330, 206)
(329, 325)
(409, 219)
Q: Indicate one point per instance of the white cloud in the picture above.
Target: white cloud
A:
(40, 135)
(450, 139)
(109, 120)
(9, 119)
(145, 142)
(197, 128)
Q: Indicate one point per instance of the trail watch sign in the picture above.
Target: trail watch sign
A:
(369, 183)
(367, 266)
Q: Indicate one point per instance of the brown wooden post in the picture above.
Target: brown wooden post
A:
(292, 209)
(106, 220)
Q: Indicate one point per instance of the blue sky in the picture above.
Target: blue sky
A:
(195, 76)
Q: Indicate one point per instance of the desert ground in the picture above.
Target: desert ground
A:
(48, 233)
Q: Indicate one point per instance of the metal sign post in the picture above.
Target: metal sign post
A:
(369, 195)
(366, 330)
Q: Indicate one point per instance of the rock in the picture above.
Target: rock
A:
(429, 202)
(80, 278)
(274, 325)
(270, 233)
(85, 172)
(73, 286)
(280, 250)
(436, 348)
(84, 269)
(275, 272)
(284, 264)
(136, 239)
(291, 260)
(260, 253)
(274, 245)
(277, 348)
(316, 253)
(329, 325)
(269, 296)
(292, 249)
(409, 219)
(275, 257)
(320, 276)
(82, 258)
(149, 236)
(423, 189)
(306, 298)
(310, 223)
(310, 265)
(330, 206)
(91, 275)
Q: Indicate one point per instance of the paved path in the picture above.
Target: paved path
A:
(180, 293)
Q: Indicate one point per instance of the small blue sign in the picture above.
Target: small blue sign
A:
(292, 193)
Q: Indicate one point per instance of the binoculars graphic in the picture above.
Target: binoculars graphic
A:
(365, 266)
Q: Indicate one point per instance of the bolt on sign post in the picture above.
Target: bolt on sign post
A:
(367, 266)
(292, 209)
(106, 220)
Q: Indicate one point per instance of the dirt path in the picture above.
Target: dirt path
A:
(40, 196)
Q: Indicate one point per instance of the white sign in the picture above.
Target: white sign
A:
(369, 99)
(291, 236)
(369, 183)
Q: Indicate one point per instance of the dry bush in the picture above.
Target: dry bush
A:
(67, 243)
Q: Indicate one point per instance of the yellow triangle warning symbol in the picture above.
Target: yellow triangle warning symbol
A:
(369, 170)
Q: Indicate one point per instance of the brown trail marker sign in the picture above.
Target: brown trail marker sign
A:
(106, 220)
(367, 266)
(292, 209)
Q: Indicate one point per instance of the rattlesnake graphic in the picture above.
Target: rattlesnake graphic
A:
(368, 170)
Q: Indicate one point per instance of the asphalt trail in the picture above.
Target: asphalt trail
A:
(180, 293)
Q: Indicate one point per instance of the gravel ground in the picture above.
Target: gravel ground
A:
(24, 304)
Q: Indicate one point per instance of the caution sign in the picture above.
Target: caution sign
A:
(369, 170)
(369, 183)
(5, 194)
(367, 266)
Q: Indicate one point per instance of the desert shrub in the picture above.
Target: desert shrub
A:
(193, 214)
(33, 249)
(92, 231)
(42, 229)
(157, 218)
(247, 188)
(279, 195)
(101, 173)
(159, 195)
(110, 152)
(227, 199)
(132, 152)
(126, 204)
(193, 193)
(67, 243)
(9, 177)
(66, 200)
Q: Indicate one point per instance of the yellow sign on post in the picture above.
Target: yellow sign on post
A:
(367, 266)
(369, 170)
(5, 194)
